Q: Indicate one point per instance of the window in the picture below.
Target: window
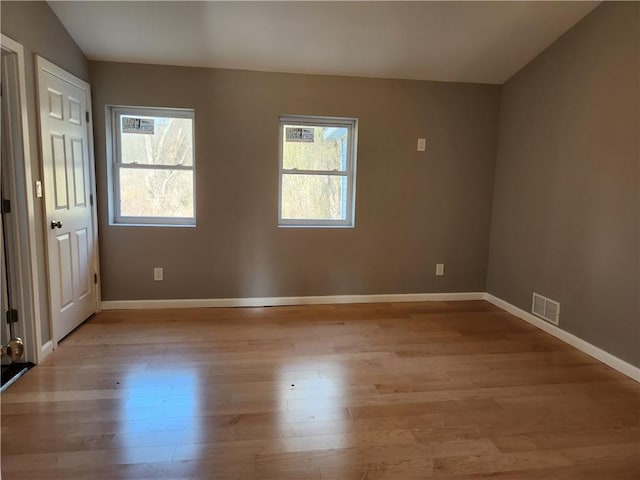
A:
(153, 166)
(317, 171)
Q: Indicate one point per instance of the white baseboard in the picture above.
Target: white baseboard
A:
(276, 301)
(614, 362)
(46, 349)
(597, 353)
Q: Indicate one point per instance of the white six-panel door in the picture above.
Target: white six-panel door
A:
(67, 190)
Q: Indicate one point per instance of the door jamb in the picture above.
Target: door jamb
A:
(43, 65)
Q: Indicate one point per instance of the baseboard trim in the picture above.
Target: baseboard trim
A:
(280, 301)
(47, 348)
(614, 362)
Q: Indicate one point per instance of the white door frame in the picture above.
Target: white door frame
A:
(22, 182)
(44, 66)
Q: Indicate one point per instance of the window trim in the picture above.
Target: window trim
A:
(116, 112)
(350, 172)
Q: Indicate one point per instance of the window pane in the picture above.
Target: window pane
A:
(156, 193)
(314, 197)
(156, 140)
(314, 147)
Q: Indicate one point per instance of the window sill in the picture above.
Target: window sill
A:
(162, 225)
(315, 226)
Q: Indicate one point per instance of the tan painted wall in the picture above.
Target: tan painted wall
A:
(412, 209)
(566, 205)
(37, 28)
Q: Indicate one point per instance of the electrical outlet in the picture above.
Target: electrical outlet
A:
(439, 269)
(158, 274)
(422, 144)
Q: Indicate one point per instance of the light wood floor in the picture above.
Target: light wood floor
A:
(454, 390)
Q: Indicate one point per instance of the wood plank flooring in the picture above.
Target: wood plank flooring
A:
(451, 390)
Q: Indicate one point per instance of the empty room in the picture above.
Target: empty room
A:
(320, 240)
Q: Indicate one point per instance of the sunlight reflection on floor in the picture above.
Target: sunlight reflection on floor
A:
(310, 401)
(161, 407)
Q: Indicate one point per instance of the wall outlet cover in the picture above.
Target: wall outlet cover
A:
(158, 274)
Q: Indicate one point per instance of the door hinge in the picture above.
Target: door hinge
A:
(91, 199)
(12, 315)
(87, 114)
(95, 278)
(6, 205)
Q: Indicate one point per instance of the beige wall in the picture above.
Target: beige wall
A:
(566, 211)
(412, 209)
(37, 28)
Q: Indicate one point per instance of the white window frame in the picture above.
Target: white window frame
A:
(116, 112)
(351, 124)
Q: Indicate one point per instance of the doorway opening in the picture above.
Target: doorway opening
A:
(21, 335)
(13, 360)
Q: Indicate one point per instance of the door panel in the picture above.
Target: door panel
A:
(59, 162)
(55, 104)
(79, 184)
(75, 107)
(82, 245)
(69, 213)
(62, 263)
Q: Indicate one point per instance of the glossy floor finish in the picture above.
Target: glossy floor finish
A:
(454, 390)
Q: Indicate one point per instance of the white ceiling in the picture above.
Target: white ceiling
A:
(483, 42)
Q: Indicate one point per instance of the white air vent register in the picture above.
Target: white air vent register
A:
(545, 308)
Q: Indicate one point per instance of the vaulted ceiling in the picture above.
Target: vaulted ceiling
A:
(481, 42)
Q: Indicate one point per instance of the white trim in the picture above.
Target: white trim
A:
(94, 209)
(275, 301)
(614, 362)
(351, 124)
(44, 65)
(116, 165)
(47, 348)
(29, 290)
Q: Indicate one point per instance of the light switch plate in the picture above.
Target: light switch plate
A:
(439, 269)
(38, 189)
(158, 274)
(422, 144)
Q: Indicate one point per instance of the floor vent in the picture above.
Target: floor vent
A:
(546, 309)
